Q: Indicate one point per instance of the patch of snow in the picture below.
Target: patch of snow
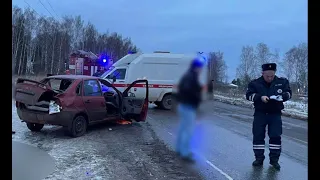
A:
(233, 85)
(292, 108)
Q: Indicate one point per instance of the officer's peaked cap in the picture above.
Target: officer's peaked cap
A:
(269, 66)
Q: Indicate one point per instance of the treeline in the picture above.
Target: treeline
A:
(42, 45)
(293, 65)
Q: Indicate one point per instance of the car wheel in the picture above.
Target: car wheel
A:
(166, 102)
(78, 127)
(35, 126)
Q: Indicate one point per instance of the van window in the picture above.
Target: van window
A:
(118, 73)
(162, 71)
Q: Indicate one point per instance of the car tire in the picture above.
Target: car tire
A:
(78, 126)
(166, 102)
(35, 127)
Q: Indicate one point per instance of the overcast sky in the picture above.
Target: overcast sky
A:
(188, 26)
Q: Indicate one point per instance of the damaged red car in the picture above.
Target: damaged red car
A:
(76, 101)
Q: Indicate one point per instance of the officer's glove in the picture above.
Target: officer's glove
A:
(277, 98)
(264, 99)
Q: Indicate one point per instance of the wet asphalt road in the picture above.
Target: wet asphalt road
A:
(144, 151)
(223, 143)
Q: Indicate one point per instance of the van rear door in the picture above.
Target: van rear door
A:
(133, 107)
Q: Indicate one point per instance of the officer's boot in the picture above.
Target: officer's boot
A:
(275, 165)
(257, 162)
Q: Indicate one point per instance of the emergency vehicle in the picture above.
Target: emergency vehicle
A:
(163, 71)
(87, 63)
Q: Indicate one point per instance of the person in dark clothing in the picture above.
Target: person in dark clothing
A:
(268, 94)
(210, 89)
(188, 98)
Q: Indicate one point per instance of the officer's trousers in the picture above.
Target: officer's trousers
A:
(274, 124)
(187, 115)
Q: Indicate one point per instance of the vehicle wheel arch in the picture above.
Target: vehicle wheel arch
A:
(163, 93)
(71, 129)
(84, 114)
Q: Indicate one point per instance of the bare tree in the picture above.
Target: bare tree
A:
(296, 64)
(217, 66)
(247, 62)
(263, 54)
(275, 56)
(289, 64)
(247, 69)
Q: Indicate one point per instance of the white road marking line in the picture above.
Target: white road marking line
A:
(294, 125)
(211, 164)
(305, 142)
(217, 169)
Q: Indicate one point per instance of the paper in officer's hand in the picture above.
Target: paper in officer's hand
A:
(273, 97)
(277, 98)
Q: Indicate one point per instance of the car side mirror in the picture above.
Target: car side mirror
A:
(114, 79)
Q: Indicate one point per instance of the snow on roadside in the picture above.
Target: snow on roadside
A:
(292, 108)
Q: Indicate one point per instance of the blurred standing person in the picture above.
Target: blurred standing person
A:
(210, 89)
(268, 94)
(188, 98)
(13, 93)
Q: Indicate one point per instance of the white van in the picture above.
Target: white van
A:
(162, 70)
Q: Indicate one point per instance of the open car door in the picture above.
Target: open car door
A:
(133, 107)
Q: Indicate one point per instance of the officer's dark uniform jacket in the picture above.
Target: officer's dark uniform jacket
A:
(258, 88)
(189, 89)
(268, 114)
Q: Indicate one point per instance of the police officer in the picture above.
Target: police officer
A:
(268, 94)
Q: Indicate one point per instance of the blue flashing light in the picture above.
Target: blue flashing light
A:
(104, 60)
